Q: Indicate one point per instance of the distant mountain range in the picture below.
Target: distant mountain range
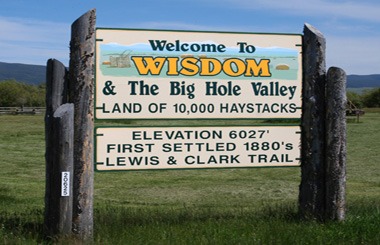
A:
(36, 74)
(31, 74)
(363, 81)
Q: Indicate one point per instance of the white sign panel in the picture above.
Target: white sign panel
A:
(65, 187)
(128, 148)
(194, 75)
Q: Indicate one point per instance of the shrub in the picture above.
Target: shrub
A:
(14, 93)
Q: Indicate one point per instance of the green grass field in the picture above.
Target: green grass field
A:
(229, 206)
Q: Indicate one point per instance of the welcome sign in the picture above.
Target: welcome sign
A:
(197, 75)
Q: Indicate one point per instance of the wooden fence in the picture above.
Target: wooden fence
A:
(22, 110)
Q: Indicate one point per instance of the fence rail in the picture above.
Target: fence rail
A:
(21, 110)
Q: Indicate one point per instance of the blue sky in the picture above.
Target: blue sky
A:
(31, 32)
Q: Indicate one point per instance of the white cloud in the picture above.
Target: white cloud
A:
(178, 25)
(175, 25)
(31, 41)
(358, 10)
(356, 55)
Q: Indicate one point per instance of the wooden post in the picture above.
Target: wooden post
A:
(312, 187)
(335, 144)
(56, 95)
(59, 156)
(81, 87)
(63, 122)
(56, 86)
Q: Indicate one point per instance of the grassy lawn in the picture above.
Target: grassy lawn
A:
(229, 206)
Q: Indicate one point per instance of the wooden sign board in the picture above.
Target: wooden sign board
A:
(148, 148)
(144, 74)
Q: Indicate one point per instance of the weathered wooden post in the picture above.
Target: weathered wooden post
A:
(56, 86)
(63, 122)
(59, 153)
(81, 91)
(323, 141)
(335, 144)
(312, 188)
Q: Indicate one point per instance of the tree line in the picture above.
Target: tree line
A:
(17, 94)
(369, 98)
